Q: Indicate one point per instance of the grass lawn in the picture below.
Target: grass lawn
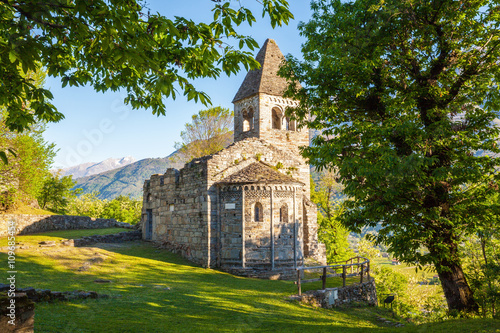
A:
(25, 209)
(156, 291)
(408, 270)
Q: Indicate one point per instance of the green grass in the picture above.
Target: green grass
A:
(199, 300)
(62, 234)
(456, 326)
(22, 208)
(408, 270)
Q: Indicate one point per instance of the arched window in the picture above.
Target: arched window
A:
(286, 121)
(284, 214)
(247, 120)
(258, 212)
(148, 198)
(276, 117)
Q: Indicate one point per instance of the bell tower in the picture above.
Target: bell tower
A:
(259, 105)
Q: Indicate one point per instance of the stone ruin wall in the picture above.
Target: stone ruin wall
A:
(32, 224)
(180, 211)
(365, 292)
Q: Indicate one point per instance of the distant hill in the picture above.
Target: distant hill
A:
(127, 180)
(93, 168)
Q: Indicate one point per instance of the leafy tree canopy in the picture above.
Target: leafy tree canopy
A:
(209, 131)
(26, 157)
(121, 208)
(405, 94)
(56, 193)
(326, 194)
(112, 44)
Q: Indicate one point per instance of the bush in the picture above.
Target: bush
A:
(412, 300)
(122, 208)
(8, 199)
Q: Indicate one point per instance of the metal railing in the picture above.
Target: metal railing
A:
(359, 268)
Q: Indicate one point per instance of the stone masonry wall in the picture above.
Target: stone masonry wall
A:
(248, 251)
(236, 157)
(30, 224)
(333, 297)
(178, 200)
(288, 141)
(256, 235)
(231, 248)
(284, 226)
(246, 104)
(23, 315)
(312, 247)
(185, 213)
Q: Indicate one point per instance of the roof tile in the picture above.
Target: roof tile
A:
(258, 172)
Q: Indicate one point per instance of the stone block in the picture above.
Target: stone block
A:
(22, 318)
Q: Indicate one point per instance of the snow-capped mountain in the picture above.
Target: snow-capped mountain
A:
(91, 168)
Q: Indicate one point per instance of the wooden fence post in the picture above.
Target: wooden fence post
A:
(343, 275)
(298, 282)
(362, 268)
(324, 278)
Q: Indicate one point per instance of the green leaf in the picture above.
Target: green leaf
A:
(172, 29)
(12, 151)
(13, 56)
(4, 158)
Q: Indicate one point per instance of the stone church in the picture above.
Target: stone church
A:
(247, 208)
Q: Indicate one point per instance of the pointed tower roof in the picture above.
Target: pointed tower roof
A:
(264, 80)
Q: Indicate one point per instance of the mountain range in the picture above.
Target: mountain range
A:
(127, 180)
(93, 168)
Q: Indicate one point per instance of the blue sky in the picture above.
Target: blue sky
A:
(98, 126)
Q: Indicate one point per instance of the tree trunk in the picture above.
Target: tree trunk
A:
(458, 294)
(456, 289)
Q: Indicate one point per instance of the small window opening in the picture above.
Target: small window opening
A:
(247, 120)
(284, 214)
(276, 118)
(258, 212)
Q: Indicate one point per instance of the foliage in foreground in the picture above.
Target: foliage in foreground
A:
(118, 44)
(26, 157)
(121, 208)
(481, 253)
(405, 94)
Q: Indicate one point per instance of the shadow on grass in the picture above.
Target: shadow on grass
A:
(157, 291)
